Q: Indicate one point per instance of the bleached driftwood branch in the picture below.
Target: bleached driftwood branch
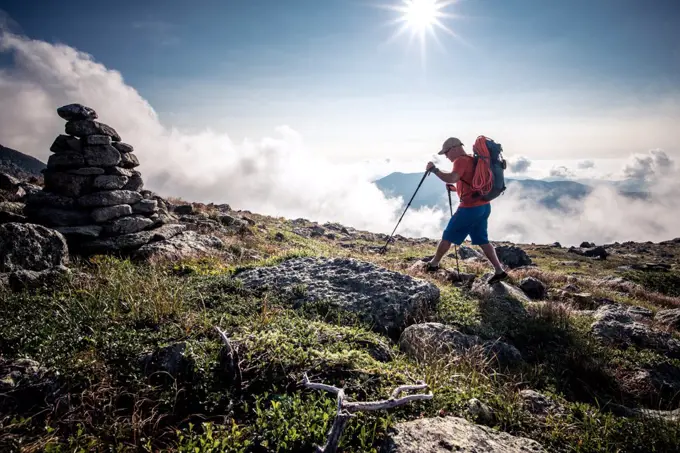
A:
(345, 408)
(230, 360)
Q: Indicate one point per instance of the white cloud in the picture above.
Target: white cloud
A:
(519, 164)
(280, 176)
(586, 165)
(273, 175)
(561, 172)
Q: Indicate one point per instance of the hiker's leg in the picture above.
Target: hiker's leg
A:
(480, 237)
(455, 233)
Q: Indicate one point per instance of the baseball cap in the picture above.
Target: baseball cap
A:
(450, 143)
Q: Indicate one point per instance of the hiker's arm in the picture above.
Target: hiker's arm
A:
(447, 177)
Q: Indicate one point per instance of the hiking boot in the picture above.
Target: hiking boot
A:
(497, 278)
(431, 268)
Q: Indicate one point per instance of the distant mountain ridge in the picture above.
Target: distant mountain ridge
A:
(18, 164)
(433, 192)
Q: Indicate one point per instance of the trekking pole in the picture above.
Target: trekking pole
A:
(448, 191)
(384, 247)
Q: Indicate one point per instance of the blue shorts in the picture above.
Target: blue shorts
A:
(469, 221)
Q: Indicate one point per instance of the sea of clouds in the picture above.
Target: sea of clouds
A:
(279, 176)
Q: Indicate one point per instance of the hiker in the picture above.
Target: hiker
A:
(472, 213)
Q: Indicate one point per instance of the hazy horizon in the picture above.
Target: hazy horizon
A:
(298, 125)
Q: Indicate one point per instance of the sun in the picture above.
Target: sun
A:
(422, 18)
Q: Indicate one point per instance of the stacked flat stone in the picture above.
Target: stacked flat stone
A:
(91, 191)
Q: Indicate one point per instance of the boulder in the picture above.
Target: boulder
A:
(184, 209)
(8, 182)
(67, 185)
(79, 232)
(145, 207)
(135, 182)
(587, 245)
(119, 171)
(129, 160)
(538, 403)
(595, 252)
(123, 147)
(7, 216)
(533, 287)
(66, 143)
(83, 128)
(423, 341)
(23, 279)
(465, 252)
(97, 140)
(66, 160)
(31, 247)
(47, 199)
(387, 300)
(128, 242)
(55, 217)
(101, 215)
(167, 364)
(183, 245)
(74, 112)
(453, 434)
(616, 326)
(512, 256)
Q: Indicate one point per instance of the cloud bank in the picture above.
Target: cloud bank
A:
(280, 176)
(586, 164)
(519, 165)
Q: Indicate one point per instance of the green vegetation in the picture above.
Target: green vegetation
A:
(102, 339)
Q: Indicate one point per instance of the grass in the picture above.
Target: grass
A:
(97, 336)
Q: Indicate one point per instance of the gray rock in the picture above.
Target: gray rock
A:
(101, 156)
(465, 253)
(539, 404)
(31, 247)
(101, 215)
(513, 257)
(129, 160)
(109, 198)
(229, 220)
(533, 287)
(657, 382)
(587, 245)
(97, 140)
(22, 279)
(669, 317)
(55, 217)
(47, 199)
(453, 434)
(135, 182)
(480, 411)
(83, 128)
(67, 185)
(184, 209)
(66, 143)
(87, 171)
(65, 160)
(73, 112)
(432, 340)
(10, 217)
(127, 225)
(183, 245)
(168, 364)
(84, 231)
(123, 147)
(129, 242)
(119, 171)
(145, 207)
(616, 326)
(595, 252)
(109, 182)
(8, 182)
(387, 300)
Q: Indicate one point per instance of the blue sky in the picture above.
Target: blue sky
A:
(527, 71)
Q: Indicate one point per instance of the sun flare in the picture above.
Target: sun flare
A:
(422, 18)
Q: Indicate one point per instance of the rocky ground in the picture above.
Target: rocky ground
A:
(578, 351)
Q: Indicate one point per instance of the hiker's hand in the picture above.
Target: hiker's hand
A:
(430, 166)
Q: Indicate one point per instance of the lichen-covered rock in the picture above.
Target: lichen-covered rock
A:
(31, 247)
(67, 185)
(135, 182)
(101, 156)
(109, 182)
(669, 318)
(129, 160)
(183, 245)
(533, 287)
(512, 256)
(453, 434)
(109, 198)
(386, 299)
(83, 128)
(466, 253)
(431, 340)
(145, 207)
(616, 326)
(129, 242)
(76, 112)
(127, 225)
(123, 147)
(538, 403)
(101, 215)
(22, 279)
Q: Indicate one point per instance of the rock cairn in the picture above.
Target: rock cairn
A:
(93, 194)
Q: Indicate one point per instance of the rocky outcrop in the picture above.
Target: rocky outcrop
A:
(31, 247)
(533, 287)
(669, 318)
(387, 300)
(432, 340)
(183, 245)
(617, 326)
(447, 434)
(594, 252)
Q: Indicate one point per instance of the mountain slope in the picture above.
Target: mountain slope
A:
(18, 164)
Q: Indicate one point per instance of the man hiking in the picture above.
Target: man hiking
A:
(472, 213)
